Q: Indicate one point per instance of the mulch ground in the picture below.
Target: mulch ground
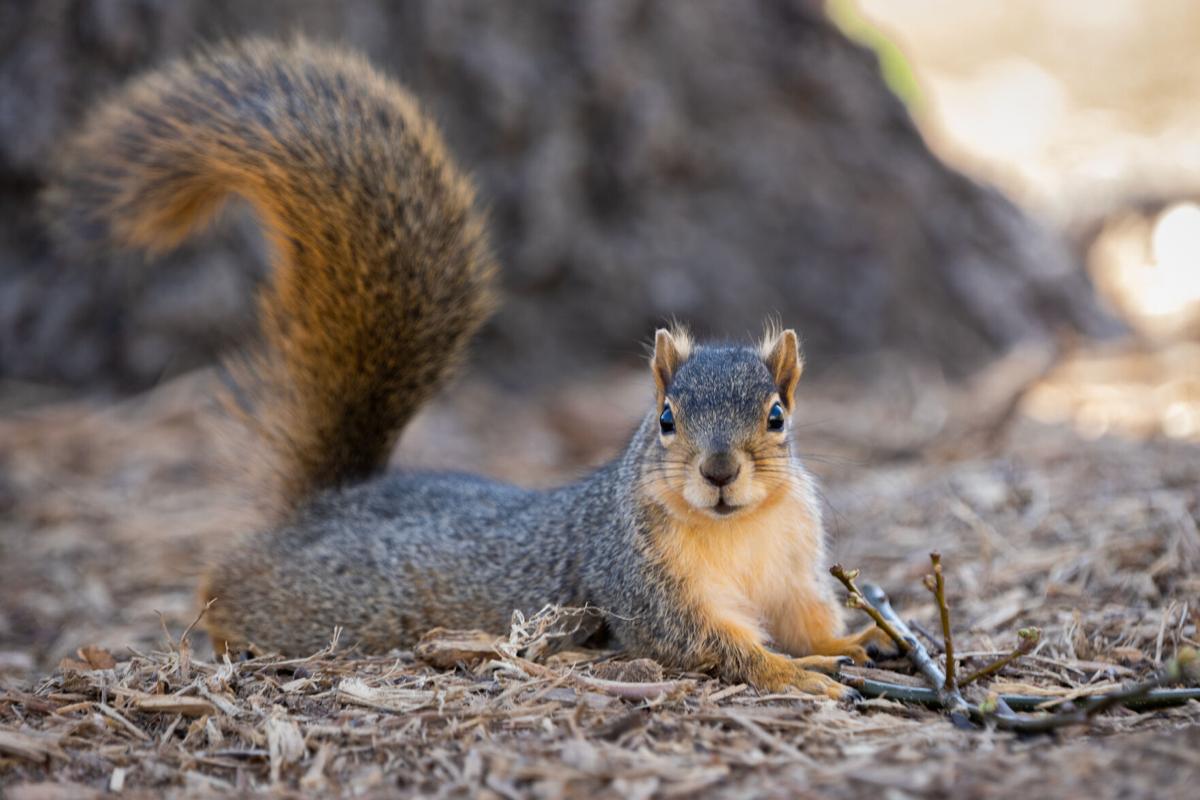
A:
(108, 511)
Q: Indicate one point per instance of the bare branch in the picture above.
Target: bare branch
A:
(897, 628)
(187, 631)
(936, 583)
(997, 710)
(952, 700)
(870, 687)
(1001, 710)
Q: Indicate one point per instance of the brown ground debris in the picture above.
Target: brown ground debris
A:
(107, 512)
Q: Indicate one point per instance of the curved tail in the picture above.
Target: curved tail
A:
(381, 268)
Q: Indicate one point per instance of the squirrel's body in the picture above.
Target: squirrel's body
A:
(702, 544)
(452, 530)
(436, 534)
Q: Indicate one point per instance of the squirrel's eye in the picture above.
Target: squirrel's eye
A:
(666, 420)
(775, 418)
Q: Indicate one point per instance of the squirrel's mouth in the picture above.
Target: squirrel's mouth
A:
(724, 508)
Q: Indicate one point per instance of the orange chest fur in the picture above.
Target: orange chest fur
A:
(746, 574)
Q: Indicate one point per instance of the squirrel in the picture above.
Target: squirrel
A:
(702, 542)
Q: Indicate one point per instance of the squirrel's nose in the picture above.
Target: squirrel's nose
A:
(720, 469)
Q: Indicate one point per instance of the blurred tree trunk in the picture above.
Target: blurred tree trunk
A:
(713, 161)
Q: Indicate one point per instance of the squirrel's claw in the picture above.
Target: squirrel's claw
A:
(850, 696)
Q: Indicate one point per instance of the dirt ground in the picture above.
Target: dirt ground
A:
(1067, 500)
(107, 511)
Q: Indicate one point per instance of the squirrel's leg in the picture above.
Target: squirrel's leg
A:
(811, 625)
(741, 657)
(719, 631)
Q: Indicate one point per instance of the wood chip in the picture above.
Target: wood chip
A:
(285, 743)
(445, 648)
(121, 721)
(356, 691)
(30, 748)
(175, 704)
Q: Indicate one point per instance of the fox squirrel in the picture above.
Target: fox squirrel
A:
(702, 543)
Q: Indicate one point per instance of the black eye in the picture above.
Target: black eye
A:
(666, 421)
(775, 418)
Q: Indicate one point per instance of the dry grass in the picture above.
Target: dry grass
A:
(107, 513)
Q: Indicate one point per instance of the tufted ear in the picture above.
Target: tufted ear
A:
(671, 349)
(781, 353)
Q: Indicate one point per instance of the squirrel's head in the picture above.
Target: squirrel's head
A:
(724, 414)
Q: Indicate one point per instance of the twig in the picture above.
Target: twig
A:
(936, 583)
(926, 634)
(1001, 709)
(878, 602)
(1184, 664)
(1027, 639)
(186, 631)
(162, 621)
(953, 701)
(623, 689)
(856, 599)
(1155, 698)
(869, 687)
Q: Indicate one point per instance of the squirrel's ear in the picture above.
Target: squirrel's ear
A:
(668, 355)
(782, 356)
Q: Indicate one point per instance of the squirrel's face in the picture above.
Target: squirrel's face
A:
(724, 414)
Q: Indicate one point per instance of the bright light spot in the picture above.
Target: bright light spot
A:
(1176, 237)
(1150, 268)
(1173, 283)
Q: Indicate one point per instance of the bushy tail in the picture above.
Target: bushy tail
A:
(381, 274)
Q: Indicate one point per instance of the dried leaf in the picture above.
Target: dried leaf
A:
(96, 657)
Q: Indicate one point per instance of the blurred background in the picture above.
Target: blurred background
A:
(977, 215)
(936, 181)
(641, 161)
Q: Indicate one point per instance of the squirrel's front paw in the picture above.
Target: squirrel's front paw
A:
(779, 674)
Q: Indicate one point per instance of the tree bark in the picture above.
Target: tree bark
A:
(716, 162)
